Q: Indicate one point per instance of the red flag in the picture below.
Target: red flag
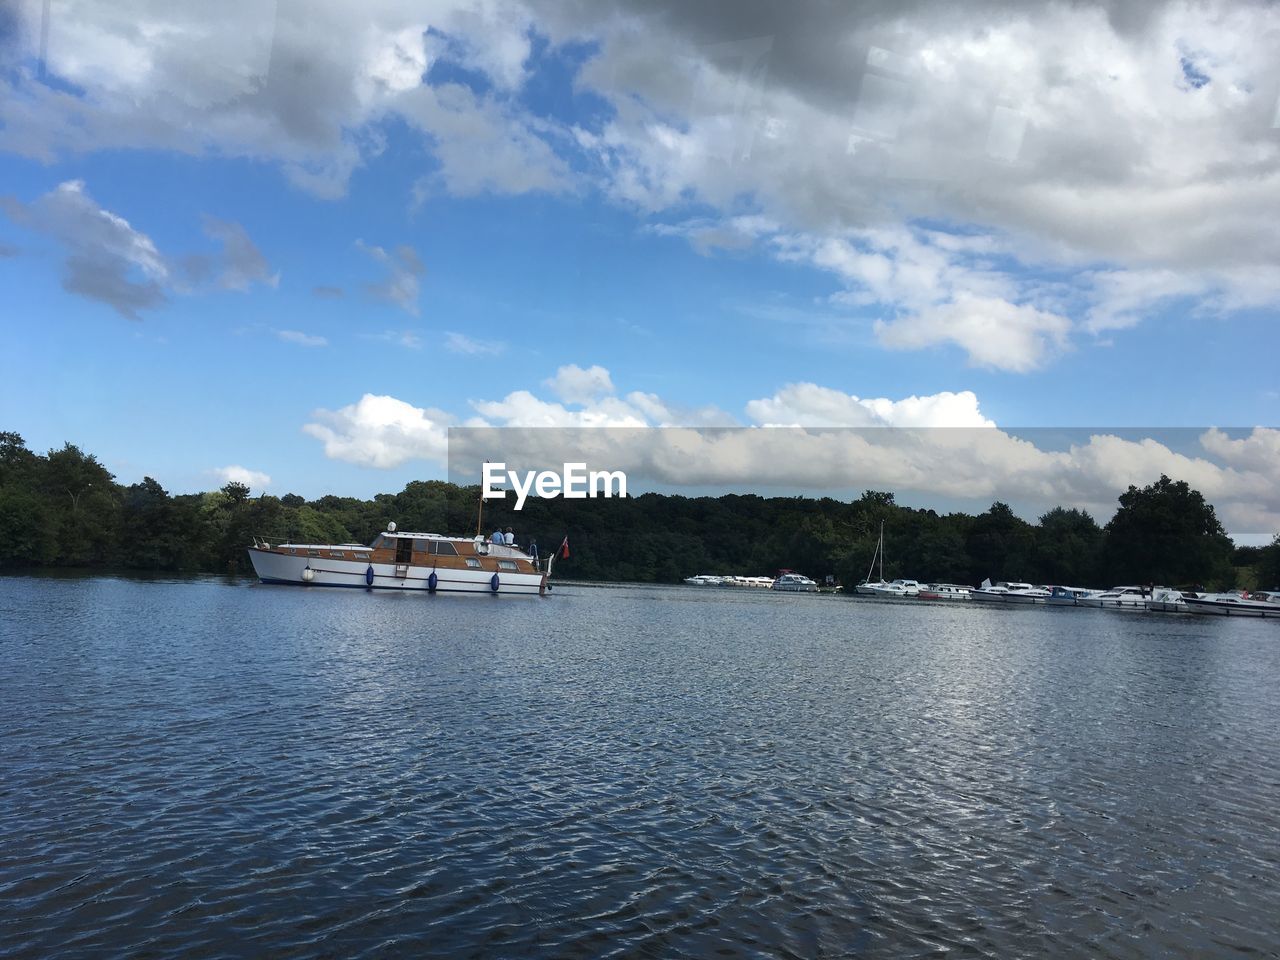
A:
(564, 549)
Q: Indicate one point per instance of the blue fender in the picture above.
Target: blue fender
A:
(432, 581)
(368, 575)
(493, 583)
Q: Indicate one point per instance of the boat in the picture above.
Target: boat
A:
(1164, 600)
(397, 560)
(1256, 604)
(1008, 591)
(788, 582)
(943, 591)
(896, 589)
(1120, 598)
(707, 580)
(1067, 596)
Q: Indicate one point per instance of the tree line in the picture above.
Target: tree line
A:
(65, 509)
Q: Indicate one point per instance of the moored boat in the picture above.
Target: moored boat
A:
(1119, 598)
(1066, 596)
(1257, 604)
(1008, 591)
(427, 562)
(1164, 600)
(894, 590)
(943, 591)
(788, 582)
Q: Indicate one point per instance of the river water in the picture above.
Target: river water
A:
(207, 768)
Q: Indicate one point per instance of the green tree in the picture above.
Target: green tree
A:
(1167, 533)
(1067, 547)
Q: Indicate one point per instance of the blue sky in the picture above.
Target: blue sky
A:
(468, 213)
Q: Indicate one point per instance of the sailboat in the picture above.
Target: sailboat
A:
(869, 587)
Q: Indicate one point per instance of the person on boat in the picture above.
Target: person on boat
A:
(497, 537)
(510, 540)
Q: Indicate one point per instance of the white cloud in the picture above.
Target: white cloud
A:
(1067, 135)
(301, 339)
(381, 431)
(468, 346)
(821, 440)
(573, 384)
(253, 479)
(809, 405)
(993, 332)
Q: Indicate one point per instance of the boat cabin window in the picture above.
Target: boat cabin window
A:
(507, 565)
(336, 553)
(313, 553)
(472, 562)
(446, 549)
(422, 546)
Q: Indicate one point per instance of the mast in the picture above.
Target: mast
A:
(480, 510)
(879, 552)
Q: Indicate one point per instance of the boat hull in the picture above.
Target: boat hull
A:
(277, 568)
(1243, 608)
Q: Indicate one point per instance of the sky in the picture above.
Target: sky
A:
(292, 244)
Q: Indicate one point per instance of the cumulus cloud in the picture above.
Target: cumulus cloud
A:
(993, 332)
(573, 384)
(809, 405)
(404, 271)
(823, 441)
(253, 479)
(1126, 152)
(381, 431)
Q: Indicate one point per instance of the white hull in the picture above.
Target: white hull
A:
(1234, 608)
(285, 569)
(1121, 603)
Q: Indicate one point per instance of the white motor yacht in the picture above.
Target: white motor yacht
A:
(1119, 598)
(1256, 604)
(1008, 591)
(943, 591)
(789, 582)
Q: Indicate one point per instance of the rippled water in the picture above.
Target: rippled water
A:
(207, 769)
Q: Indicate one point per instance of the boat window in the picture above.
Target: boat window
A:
(507, 565)
(313, 553)
(422, 546)
(336, 553)
(361, 556)
(472, 562)
(446, 549)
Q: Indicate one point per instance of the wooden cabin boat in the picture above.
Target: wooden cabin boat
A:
(404, 561)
